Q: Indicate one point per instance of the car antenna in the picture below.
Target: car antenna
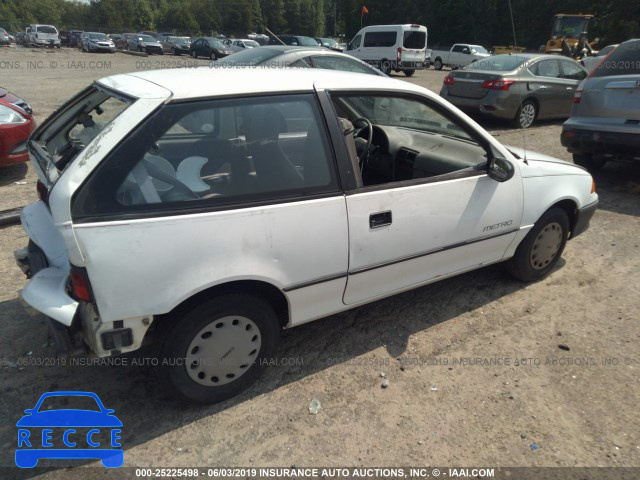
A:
(515, 44)
(274, 35)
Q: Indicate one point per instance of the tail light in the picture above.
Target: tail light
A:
(448, 80)
(43, 193)
(577, 96)
(498, 84)
(80, 286)
(399, 54)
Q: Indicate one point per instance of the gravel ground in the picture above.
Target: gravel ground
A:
(480, 370)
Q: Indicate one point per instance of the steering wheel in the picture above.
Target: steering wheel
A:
(361, 124)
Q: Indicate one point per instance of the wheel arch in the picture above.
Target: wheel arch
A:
(570, 206)
(264, 290)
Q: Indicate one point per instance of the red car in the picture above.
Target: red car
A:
(16, 124)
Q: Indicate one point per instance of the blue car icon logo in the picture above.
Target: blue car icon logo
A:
(54, 430)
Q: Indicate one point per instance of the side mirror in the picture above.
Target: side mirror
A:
(500, 169)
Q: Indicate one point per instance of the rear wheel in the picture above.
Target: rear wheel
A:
(385, 66)
(409, 73)
(212, 56)
(588, 161)
(541, 249)
(194, 54)
(526, 114)
(437, 64)
(218, 348)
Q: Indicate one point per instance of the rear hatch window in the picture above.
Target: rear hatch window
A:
(415, 39)
(47, 29)
(72, 128)
(624, 60)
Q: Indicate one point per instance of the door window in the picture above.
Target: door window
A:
(546, 68)
(572, 71)
(411, 140)
(355, 43)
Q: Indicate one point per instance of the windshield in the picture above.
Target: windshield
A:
(306, 41)
(497, 63)
(569, 27)
(478, 49)
(69, 402)
(98, 36)
(74, 127)
(249, 57)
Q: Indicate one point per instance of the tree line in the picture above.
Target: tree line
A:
(484, 22)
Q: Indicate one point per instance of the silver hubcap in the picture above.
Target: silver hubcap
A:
(223, 351)
(527, 115)
(546, 246)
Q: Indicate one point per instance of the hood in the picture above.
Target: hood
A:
(538, 164)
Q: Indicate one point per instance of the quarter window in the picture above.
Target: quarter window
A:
(199, 154)
(380, 39)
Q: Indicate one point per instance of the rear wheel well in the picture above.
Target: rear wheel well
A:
(266, 291)
(571, 208)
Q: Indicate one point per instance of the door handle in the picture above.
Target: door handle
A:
(380, 219)
(542, 87)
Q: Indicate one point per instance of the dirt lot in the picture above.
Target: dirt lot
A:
(447, 404)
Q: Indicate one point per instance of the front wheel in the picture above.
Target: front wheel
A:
(541, 249)
(212, 56)
(194, 54)
(526, 115)
(219, 348)
(409, 73)
(385, 66)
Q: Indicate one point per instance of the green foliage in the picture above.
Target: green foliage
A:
(486, 22)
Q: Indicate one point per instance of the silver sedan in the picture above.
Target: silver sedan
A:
(521, 88)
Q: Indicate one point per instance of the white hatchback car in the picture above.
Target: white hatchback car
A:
(204, 211)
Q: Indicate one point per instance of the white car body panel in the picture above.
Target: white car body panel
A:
(427, 219)
(284, 245)
(319, 253)
(377, 54)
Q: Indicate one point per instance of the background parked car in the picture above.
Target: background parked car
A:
(295, 40)
(97, 42)
(521, 88)
(175, 45)
(16, 124)
(43, 36)
(209, 47)
(589, 63)
(21, 38)
(240, 44)
(605, 116)
(5, 38)
(140, 42)
(299, 57)
(73, 38)
(329, 43)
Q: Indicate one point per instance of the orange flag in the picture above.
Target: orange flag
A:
(364, 9)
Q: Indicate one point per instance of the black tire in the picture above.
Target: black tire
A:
(194, 54)
(410, 72)
(541, 249)
(437, 64)
(588, 161)
(245, 319)
(175, 52)
(212, 56)
(385, 66)
(140, 49)
(526, 114)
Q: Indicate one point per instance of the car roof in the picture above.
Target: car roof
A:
(190, 83)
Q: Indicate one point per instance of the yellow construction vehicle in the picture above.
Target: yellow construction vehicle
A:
(569, 36)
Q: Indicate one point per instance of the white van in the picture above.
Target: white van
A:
(43, 35)
(391, 47)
